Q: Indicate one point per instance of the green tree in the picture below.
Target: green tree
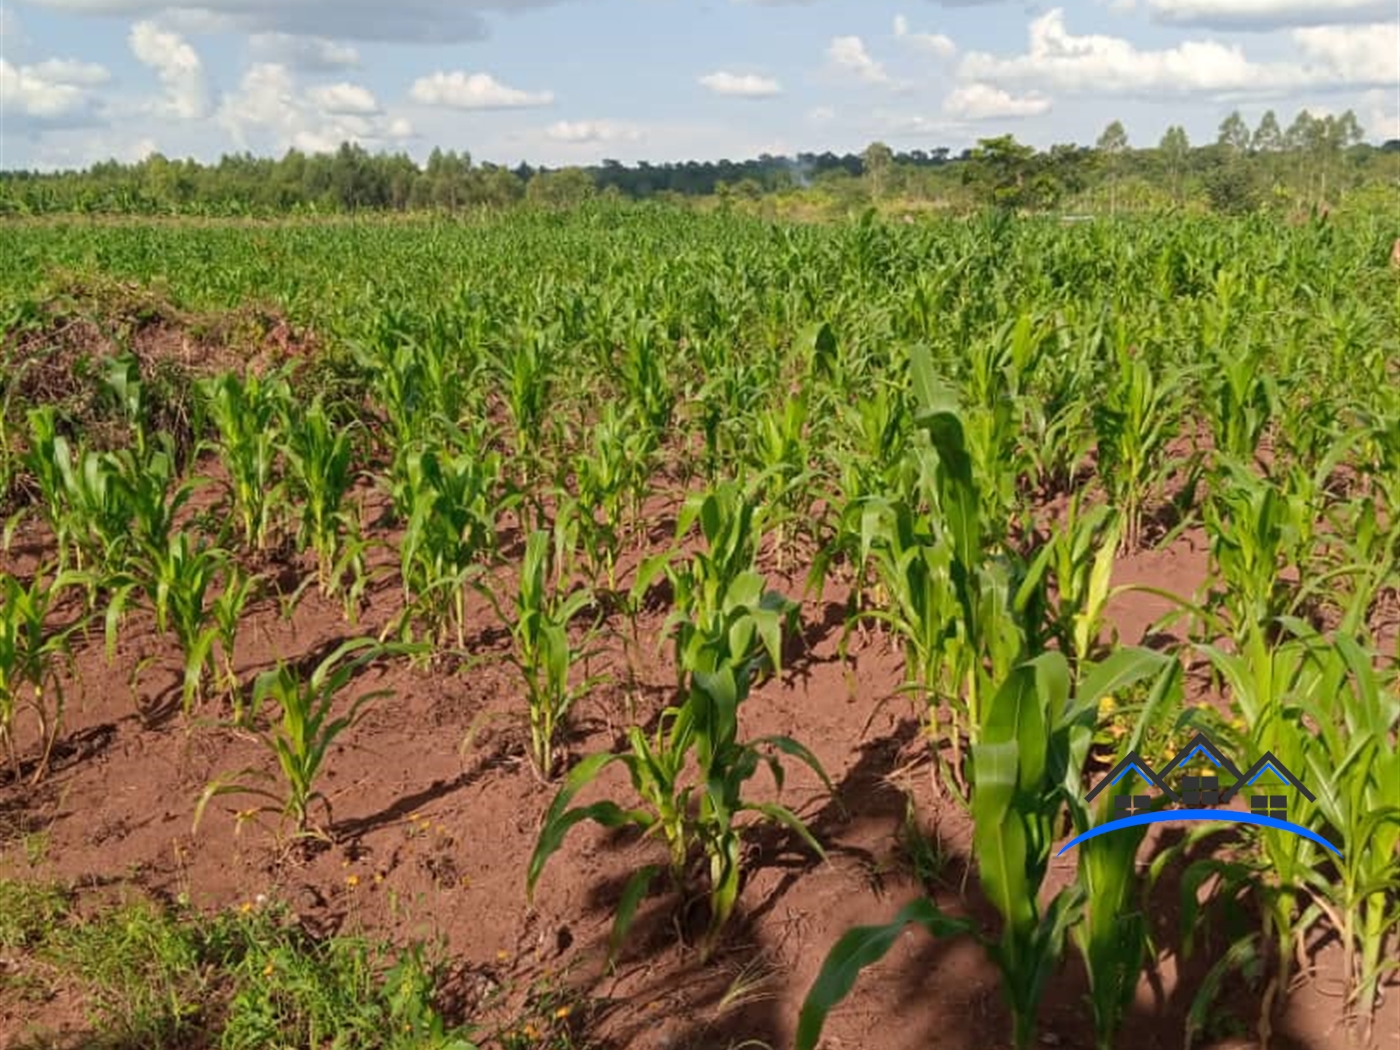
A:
(1113, 143)
(1175, 148)
(1000, 167)
(1234, 133)
(876, 162)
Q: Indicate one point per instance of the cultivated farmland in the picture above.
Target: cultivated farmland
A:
(560, 630)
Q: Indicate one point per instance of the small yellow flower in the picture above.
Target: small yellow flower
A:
(246, 907)
(267, 970)
(378, 876)
(352, 881)
(562, 1013)
(531, 1032)
(502, 955)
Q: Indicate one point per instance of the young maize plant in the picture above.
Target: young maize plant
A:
(1255, 528)
(690, 775)
(608, 477)
(450, 503)
(1079, 556)
(320, 472)
(967, 613)
(246, 412)
(544, 653)
(87, 508)
(175, 581)
(1355, 761)
(302, 738)
(1027, 767)
(30, 650)
(1270, 685)
(1135, 419)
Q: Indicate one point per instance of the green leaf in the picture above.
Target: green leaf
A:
(861, 947)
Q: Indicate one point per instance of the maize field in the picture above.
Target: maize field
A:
(676, 630)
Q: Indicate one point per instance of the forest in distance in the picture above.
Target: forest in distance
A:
(1313, 162)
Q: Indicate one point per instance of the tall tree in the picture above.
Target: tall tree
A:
(1113, 143)
(1234, 133)
(875, 162)
(1268, 137)
(1175, 148)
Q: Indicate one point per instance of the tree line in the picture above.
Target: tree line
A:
(1315, 161)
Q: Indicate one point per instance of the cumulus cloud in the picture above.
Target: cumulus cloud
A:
(848, 54)
(578, 132)
(311, 53)
(1334, 57)
(176, 64)
(343, 98)
(745, 85)
(459, 90)
(55, 91)
(270, 111)
(1359, 54)
(1267, 14)
(405, 21)
(935, 44)
(984, 102)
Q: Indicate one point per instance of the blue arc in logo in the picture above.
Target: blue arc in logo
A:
(1235, 816)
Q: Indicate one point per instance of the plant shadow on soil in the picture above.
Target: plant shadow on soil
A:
(741, 997)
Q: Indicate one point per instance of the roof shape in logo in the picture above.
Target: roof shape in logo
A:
(1266, 761)
(1202, 743)
(1132, 761)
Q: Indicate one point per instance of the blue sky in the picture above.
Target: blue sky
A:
(575, 81)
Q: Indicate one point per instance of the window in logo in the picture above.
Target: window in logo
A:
(1200, 791)
(1129, 805)
(1275, 806)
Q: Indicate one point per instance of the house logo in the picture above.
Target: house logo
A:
(1200, 796)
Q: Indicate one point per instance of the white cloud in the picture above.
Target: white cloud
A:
(474, 91)
(177, 65)
(269, 111)
(411, 21)
(746, 85)
(344, 98)
(311, 53)
(984, 102)
(578, 132)
(57, 90)
(1267, 14)
(848, 54)
(821, 114)
(1380, 115)
(935, 44)
(1358, 57)
(1358, 54)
